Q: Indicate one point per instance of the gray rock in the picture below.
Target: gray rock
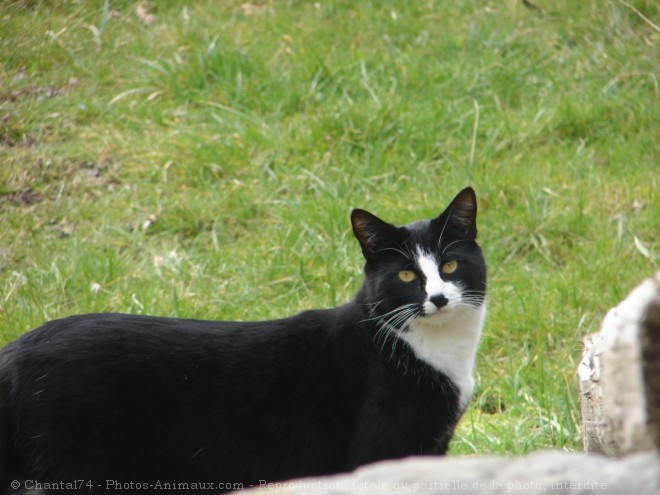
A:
(619, 383)
(546, 472)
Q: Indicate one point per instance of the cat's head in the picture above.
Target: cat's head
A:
(431, 270)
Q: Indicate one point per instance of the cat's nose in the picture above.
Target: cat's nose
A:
(439, 300)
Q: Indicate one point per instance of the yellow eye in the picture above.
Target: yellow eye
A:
(450, 266)
(407, 276)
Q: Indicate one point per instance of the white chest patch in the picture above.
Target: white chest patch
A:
(447, 338)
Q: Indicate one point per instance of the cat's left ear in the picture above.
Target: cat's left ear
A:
(372, 232)
(461, 214)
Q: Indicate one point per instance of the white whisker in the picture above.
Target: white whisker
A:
(448, 246)
(402, 253)
(444, 227)
(393, 323)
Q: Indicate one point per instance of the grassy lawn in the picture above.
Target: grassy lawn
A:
(200, 159)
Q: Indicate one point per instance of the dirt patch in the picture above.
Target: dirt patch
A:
(24, 197)
(39, 92)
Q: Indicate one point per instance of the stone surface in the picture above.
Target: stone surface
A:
(617, 417)
(651, 365)
(591, 398)
(548, 472)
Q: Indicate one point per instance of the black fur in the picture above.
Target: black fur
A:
(109, 398)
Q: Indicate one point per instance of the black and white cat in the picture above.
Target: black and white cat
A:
(116, 399)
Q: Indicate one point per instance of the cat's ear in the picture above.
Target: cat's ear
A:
(461, 214)
(372, 232)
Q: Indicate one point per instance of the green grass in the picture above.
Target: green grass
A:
(205, 165)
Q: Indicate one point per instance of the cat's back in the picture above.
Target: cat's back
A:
(118, 340)
(107, 332)
(97, 327)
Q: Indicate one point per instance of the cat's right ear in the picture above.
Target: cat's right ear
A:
(371, 232)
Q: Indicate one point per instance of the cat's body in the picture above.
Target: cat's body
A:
(132, 399)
